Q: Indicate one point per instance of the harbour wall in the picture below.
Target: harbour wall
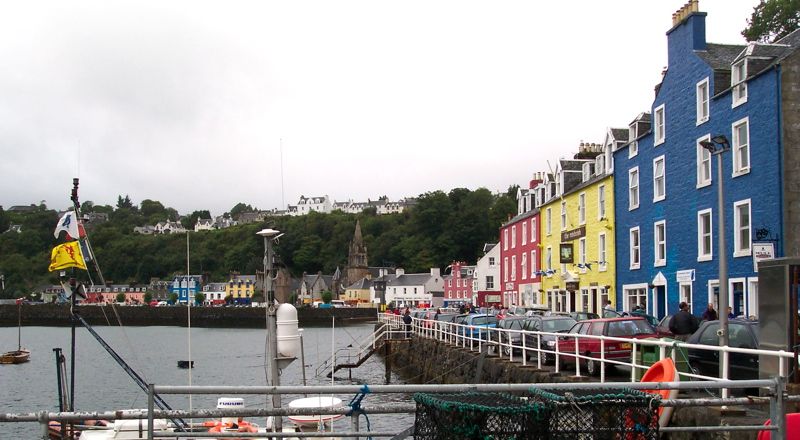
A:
(231, 317)
(428, 361)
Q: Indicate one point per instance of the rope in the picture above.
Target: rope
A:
(355, 406)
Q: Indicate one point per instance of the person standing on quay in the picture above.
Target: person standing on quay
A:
(407, 322)
(710, 314)
(683, 324)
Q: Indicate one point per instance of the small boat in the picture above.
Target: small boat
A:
(663, 371)
(15, 357)
(186, 364)
(20, 355)
(313, 421)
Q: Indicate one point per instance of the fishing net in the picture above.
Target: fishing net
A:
(600, 414)
(478, 416)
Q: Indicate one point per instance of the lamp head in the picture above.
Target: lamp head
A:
(708, 145)
(721, 140)
(268, 232)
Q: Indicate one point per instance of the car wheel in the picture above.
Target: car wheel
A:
(592, 367)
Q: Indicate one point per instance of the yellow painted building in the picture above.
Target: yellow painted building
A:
(241, 288)
(577, 237)
(358, 293)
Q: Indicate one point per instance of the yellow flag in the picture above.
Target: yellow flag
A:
(67, 255)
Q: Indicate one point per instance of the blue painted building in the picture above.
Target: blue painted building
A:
(186, 287)
(666, 182)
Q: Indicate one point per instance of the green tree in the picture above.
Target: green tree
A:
(5, 222)
(772, 20)
(120, 297)
(189, 221)
(173, 298)
(199, 298)
(240, 208)
(149, 208)
(147, 297)
(124, 202)
(326, 296)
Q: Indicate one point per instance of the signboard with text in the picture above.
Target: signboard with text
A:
(761, 252)
(566, 253)
(573, 234)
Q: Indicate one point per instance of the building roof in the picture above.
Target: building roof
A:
(620, 134)
(412, 279)
(363, 283)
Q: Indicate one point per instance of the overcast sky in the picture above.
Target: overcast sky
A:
(187, 102)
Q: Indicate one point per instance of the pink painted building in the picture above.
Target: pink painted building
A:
(520, 268)
(458, 284)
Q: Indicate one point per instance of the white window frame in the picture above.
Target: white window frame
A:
(524, 266)
(513, 268)
(548, 224)
(534, 235)
(633, 149)
(505, 269)
(703, 101)
(739, 83)
(601, 202)
(659, 125)
(513, 236)
(752, 296)
(524, 233)
(686, 298)
(702, 235)
(534, 264)
(633, 188)
(582, 208)
(602, 249)
(660, 243)
(737, 146)
(505, 239)
(582, 253)
(635, 249)
(662, 178)
(563, 215)
(586, 171)
(739, 249)
(549, 258)
(703, 163)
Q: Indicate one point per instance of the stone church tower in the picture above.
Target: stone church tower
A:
(357, 267)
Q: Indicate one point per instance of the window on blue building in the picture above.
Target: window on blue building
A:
(702, 101)
(703, 164)
(659, 127)
(635, 247)
(741, 228)
(633, 188)
(738, 84)
(660, 243)
(741, 147)
(704, 249)
(659, 179)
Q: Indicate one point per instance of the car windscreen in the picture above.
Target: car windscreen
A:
(557, 325)
(446, 317)
(484, 320)
(629, 328)
(511, 324)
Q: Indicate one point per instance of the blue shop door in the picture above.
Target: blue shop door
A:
(661, 301)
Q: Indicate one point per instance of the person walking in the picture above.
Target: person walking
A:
(683, 324)
(407, 322)
(710, 314)
(730, 313)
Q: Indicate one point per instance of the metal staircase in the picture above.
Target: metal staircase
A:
(352, 357)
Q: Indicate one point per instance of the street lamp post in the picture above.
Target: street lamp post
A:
(270, 235)
(716, 146)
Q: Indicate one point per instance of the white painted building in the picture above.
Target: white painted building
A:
(409, 290)
(487, 273)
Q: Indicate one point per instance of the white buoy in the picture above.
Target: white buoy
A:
(287, 332)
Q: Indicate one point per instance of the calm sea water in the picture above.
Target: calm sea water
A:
(222, 357)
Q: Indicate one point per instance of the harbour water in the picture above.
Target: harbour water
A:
(221, 357)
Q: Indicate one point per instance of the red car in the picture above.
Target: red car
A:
(628, 327)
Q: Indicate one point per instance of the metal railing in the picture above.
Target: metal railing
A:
(774, 391)
(501, 341)
(353, 355)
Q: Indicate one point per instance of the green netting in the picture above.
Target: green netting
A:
(596, 414)
(478, 416)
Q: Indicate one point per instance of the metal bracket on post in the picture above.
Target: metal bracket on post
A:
(777, 407)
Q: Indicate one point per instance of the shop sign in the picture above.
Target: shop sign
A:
(566, 253)
(492, 298)
(573, 234)
(684, 276)
(572, 286)
(761, 252)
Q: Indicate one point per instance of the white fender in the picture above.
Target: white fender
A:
(287, 333)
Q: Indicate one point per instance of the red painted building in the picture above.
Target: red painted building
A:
(458, 284)
(520, 266)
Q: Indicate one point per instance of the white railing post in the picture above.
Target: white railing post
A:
(633, 361)
(524, 350)
(602, 359)
(557, 356)
(577, 356)
(725, 370)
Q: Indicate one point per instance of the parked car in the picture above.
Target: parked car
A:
(629, 327)
(547, 343)
(741, 334)
(583, 316)
(337, 303)
(511, 322)
(663, 327)
(477, 323)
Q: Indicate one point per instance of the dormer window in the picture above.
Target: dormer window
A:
(599, 165)
(587, 171)
(738, 84)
